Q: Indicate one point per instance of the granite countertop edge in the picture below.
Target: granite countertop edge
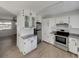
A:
(28, 36)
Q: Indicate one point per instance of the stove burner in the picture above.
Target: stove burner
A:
(62, 33)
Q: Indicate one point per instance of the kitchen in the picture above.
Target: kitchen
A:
(55, 26)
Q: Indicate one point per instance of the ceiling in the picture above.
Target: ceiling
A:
(59, 8)
(43, 8)
(13, 7)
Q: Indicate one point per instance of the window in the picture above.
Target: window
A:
(5, 25)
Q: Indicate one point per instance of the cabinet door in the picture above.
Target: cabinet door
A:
(33, 42)
(33, 21)
(73, 45)
(51, 38)
(52, 23)
(26, 24)
(59, 20)
(27, 46)
(62, 19)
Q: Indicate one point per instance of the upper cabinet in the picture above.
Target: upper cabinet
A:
(63, 22)
(38, 18)
(29, 22)
(33, 21)
(62, 19)
(71, 18)
(28, 18)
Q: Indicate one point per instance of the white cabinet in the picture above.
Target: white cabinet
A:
(48, 25)
(28, 44)
(33, 42)
(51, 38)
(73, 45)
(29, 21)
(25, 25)
(62, 19)
(26, 19)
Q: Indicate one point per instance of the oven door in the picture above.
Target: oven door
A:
(61, 40)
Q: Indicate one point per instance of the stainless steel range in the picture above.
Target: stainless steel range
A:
(62, 39)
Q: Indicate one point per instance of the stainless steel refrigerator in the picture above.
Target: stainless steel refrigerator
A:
(38, 31)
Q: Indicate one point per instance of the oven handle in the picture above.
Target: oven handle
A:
(61, 36)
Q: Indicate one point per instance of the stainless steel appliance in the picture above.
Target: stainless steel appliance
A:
(62, 39)
(38, 32)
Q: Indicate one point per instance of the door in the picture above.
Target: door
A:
(73, 45)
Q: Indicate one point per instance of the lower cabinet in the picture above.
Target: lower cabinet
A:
(51, 38)
(33, 43)
(27, 45)
(73, 45)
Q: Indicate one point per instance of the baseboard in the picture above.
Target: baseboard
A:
(47, 42)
